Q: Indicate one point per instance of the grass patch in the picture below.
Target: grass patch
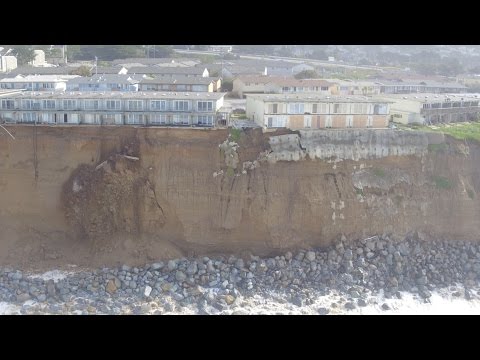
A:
(460, 131)
(359, 191)
(235, 134)
(442, 182)
(398, 199)
(437, 147)
(230, 172)
(379, 172)
(464, 131)
(470, 193)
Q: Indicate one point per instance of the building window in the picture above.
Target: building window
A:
(160, 105)
(113, 104)
(27, 104)
(205, 106)
(89, 118)
(360, 108)
(29, 117)
(205, 120)
(380, 109)
(324, 88)
(296, 108)
(273, 108)
(180, 119)
(47, 117)
(161, 119)
(8, 104)
(339, 108)
(314, 108)
(135, 119)
(49, 104)
(135, 105)
(181, 105)
(91, 104)
(69, 104)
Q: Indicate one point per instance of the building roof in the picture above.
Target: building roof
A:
(166, 70)
(107, 69)
(452, 85)
(314, 97)
(179, 80)
(429, 97)
(107, 78)
(300, 82)
(352, 82)
(120, 95)
(38, 78)
(30, 70)
(150, 61)
(258, 79)
(10, 92)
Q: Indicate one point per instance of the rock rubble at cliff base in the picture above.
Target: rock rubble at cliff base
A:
(352, 273)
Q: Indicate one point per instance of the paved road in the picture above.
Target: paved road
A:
(290, 59)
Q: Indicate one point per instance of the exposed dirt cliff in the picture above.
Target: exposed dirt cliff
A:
(111, 195)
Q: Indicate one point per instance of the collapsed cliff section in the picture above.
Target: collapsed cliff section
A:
(113, 207)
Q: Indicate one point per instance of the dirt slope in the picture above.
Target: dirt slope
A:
(117, 195)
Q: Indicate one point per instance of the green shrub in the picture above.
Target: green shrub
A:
(235, 134)
(470, 193)
(379, 172)
(230, 172)
(437, 147)
(442, 182)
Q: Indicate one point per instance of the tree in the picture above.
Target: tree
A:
(227, 85)
(73, 51)
(109, 52)
(318, 54)
(82, 71)
(306, 74)
(159, 51)
(24, 54)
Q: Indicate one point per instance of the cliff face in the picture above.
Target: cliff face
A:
(92, 195)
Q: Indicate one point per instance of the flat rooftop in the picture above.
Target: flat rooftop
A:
(118, 95)
(314, 97)
(429, 97)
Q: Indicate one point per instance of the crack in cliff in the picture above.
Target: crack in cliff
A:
(332, 175)
(150, 185)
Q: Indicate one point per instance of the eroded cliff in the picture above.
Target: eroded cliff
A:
(110, 195)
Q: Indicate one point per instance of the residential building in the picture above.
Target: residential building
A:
(39, 58)
(7, 63)
(292, 85)
(104, 82)
(409, 87)
(301, 67)
(113, 70)
(251, 84)
(432, 108)
(157, 71)
(114, 108)
(306, 111)
(349, 87)
(221, 48)
(37, 82)
(181, 83)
